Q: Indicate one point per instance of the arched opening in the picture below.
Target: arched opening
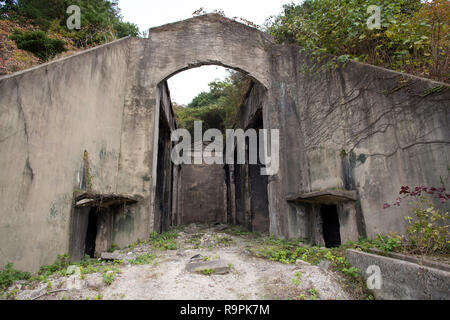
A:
(202, 191)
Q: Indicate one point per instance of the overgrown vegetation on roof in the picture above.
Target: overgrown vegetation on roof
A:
(40, 27)
(413, 36)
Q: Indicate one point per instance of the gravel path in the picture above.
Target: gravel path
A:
(166, 277)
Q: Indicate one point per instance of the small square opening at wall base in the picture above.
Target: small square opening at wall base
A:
(330, 226)
(91, 233)
(92, 222)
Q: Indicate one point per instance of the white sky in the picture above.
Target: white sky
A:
(151, 13)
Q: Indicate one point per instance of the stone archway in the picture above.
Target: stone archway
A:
(206, 40)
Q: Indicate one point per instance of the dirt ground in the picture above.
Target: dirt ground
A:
(165, 277)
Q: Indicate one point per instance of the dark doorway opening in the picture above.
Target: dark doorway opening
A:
(250, 186)
(258, 186)
(330, 226)
(164, 179)
(91, 234)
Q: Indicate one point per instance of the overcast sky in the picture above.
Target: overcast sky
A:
(150, 13)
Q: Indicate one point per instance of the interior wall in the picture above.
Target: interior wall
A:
(203, 192)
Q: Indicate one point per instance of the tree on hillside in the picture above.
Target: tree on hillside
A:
(217, 108)
(413, 36)
(101, 20)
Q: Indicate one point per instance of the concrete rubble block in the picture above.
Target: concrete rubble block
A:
(197, 265)
(208, 240)
(324, 264)
(221, 227)
(191, 228)
(111, 256)
(74, 283)
(94, 283)
(302, 263)
(75, 270)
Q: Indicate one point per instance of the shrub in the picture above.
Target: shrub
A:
(428, 229)
(8, 275)
(427, 232)
(387, 243)
(38, 43)
(101, 20)
(413, 36)
(60, 265)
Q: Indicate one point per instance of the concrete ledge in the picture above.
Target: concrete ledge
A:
(325, 197)
(403, 280)
(413, 259)
(88, 199)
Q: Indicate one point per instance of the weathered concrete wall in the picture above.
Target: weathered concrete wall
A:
(203, 194)
(202, 191)
(49, 116)
(359, 128)
(402, 280)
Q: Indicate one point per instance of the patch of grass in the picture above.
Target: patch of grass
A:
(224, 241)
(239, 231)
(114, 247)
(195, 240)
(146, 258)
(297, 278)
(59, 266)
(301, 297)
(99, 268)
(288, 252)
(207, 272)
(49, 286)
(108, 278)
(12, 294)
(351, 272)
(165, 240)
(8, 275)
(62, 262)
(312, 293)
(38, 43)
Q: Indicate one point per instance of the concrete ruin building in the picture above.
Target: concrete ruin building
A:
(85, 145)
